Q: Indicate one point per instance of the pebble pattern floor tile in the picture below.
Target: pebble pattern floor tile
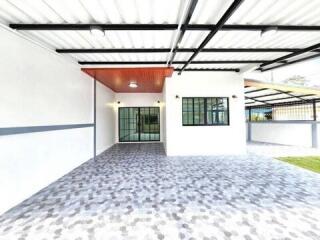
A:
(133, 191)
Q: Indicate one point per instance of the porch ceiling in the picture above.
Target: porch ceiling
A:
(118, 79)
(184, 34)
(261, 93)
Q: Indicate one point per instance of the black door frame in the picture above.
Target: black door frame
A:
(139, 127)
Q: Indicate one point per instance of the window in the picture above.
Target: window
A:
(199, 111)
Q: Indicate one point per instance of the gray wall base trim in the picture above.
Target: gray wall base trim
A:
(32, 129)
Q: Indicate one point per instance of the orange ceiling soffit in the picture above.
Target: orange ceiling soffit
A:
(148, 79)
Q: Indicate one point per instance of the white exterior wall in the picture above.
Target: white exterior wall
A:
(164, 122)
(105, 118)
(297, 134)
(204, 140)
(139, 100)
(40, 88)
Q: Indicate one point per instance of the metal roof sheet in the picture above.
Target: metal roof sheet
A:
(260, 12)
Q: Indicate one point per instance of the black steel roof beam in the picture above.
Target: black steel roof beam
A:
(142, 27)
(292, 62)
(233, 7)
(257, 90)
(298, 102)
(269, 95)
(294, 54)
(115, 50)
(120, 62)
(183, 29)
(290, 97)
(209, 70)
(175, 62)
(256, 100)
(165, 50)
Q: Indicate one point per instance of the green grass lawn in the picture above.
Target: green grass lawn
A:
(311, 162)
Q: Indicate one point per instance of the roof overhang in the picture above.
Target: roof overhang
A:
(149, 80)
(259, 94)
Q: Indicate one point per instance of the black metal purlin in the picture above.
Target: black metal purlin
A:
(165, 50)
(282, 104)
(164, 62)
(257, 90)
(292, 62)
(114, 50)
(208, 70)
(256, 100)
(269, 95)
(294, 54)
(294, 96)
(290, 97)
(183, 29)
(168, 27)
(233, 7)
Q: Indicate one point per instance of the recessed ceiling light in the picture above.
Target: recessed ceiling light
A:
(97, 31)
(268, 31)
(133, 84)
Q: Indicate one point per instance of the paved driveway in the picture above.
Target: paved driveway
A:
(133, 191)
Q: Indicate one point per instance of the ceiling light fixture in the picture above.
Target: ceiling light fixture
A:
(133, 84)
(97, 31)
(268, 31)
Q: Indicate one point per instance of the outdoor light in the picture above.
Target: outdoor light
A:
(234, 96)
(97, 31)
(118, 102)
(177, 97)
(158, 101)
(133, 84)
(268, 31)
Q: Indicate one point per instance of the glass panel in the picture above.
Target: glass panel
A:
(149, 124)
(128, 124)
(184, 105)
(196, 110)
(214, 117)
(202, 110)
(190, 105)
(190, 118)
(187, 111)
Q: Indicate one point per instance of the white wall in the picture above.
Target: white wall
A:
(38, 87)
(139, 100)
(297, 134)
(164, 122)
(105, 118)
(204, 140)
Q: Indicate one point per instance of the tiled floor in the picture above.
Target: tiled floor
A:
(278, 150)
(133, 191)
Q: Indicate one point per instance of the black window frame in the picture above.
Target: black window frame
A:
(205, 112)
(121, 140)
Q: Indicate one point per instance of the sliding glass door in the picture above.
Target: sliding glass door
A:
(139, 124)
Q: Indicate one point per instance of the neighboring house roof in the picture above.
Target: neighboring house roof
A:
(263, 93)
